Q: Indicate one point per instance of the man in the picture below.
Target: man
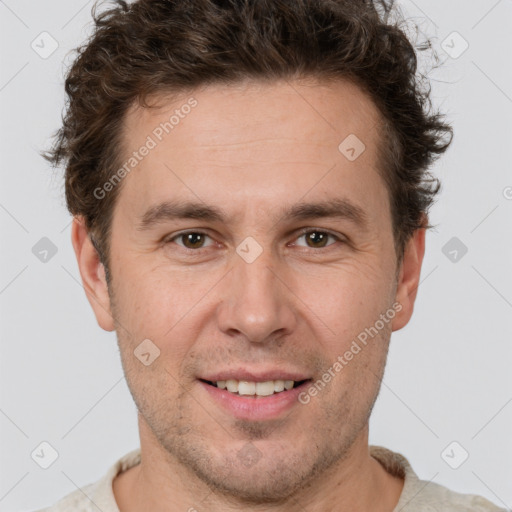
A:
(249, 187)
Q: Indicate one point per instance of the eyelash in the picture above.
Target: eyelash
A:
(301, 233)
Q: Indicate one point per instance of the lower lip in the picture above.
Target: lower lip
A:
(255, 408)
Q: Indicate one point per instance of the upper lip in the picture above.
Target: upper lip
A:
(255, 376)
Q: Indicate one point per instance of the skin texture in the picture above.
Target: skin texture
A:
(252, 150)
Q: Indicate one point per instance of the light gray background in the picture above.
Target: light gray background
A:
(448, 377)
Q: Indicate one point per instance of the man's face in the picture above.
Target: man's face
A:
(248, 296)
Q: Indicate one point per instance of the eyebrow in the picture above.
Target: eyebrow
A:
(175, 210)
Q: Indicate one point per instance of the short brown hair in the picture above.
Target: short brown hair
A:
(166, 46)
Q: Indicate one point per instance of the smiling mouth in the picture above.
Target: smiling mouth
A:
(251, 389)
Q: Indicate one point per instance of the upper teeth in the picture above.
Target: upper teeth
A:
(244, 387)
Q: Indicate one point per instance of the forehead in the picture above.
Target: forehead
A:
(253, 141)
(326, 111)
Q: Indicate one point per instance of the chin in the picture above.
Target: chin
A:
(261, 483)
(257, 472)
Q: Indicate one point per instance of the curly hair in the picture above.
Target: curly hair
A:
(152, 47)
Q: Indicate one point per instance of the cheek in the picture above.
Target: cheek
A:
(354, 375)
(153, 302)
(347, 299)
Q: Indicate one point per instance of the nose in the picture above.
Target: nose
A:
(257, 301)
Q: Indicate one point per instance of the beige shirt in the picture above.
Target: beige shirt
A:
(417, 495)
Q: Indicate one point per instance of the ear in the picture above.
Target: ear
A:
(92, 273)
(409, 277)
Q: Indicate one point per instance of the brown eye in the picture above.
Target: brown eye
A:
(195, 240)
(317, 239)
(190, 240)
